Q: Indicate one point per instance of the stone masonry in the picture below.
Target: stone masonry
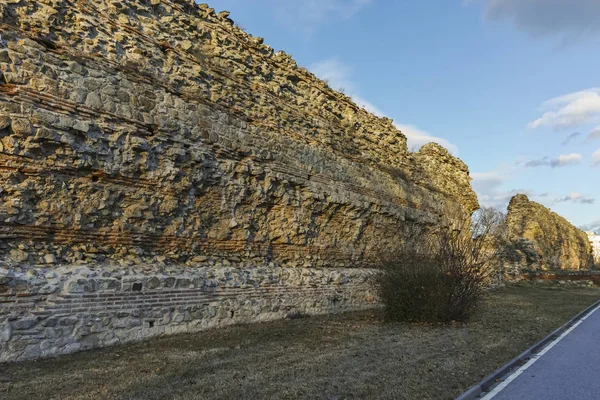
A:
(163, 171)
(543, 240)
(67, 309)
(595, 243)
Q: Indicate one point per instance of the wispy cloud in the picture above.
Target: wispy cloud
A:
(594, 135)
(592, 227)
(417, 138)
(339, 77)
(487, 182)
(576, 197)
(565, 18)
(571, 137)
(309, 15)
(499, 199)
(596, 158)
(490, 192)
(490, 189)
(561, 161)
(570, 111)
(487, 185)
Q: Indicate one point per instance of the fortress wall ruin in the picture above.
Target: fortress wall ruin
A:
(162, 171)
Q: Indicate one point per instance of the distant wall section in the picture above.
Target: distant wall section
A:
(543, 240)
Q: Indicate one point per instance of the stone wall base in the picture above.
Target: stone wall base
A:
(563, 278)
(44, 313)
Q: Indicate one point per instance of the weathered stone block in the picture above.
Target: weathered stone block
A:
(5, 332)
(24, 323)
(81, 285)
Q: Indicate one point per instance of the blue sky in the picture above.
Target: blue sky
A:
(510, 86)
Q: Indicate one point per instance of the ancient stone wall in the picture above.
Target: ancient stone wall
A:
(543, 240)
(67, 309)
(595, 243)
(561, 278)
(142, 135)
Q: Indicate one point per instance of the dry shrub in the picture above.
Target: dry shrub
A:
(438, 274)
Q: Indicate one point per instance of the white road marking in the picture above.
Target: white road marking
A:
(534, 358)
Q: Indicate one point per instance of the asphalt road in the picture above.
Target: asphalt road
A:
(570, 370)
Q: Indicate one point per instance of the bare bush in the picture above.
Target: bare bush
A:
(438, 274)
(489, 225)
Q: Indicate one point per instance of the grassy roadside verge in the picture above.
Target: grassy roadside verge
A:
(353, 356)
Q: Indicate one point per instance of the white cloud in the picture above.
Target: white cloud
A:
(487, 182)
(499, 199)
(567, 18)
(561, 161)
(493, 190)
(339, 77)
(332, 71)
(567, 159)
(488, 186)
(490, 191)
(417, 138)
(308, 15)
(570, 111)
(366, 105)
(596, 158)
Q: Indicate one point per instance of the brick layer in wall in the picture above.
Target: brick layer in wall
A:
(81, 309)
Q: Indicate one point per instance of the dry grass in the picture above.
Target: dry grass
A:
(353, 356)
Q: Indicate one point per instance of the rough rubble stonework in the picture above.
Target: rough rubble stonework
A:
(163, 171)
(595, 243)
(543, 240)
